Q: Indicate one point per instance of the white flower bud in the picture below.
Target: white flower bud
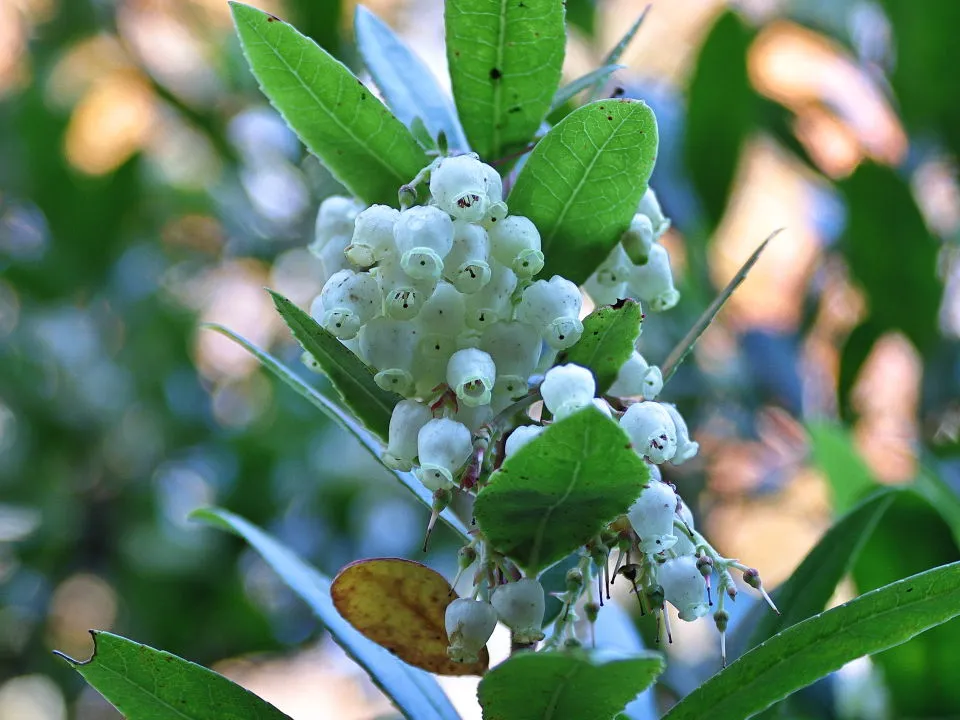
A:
(459, 186)
(331, 256)
(372, 239)
(603, 294)
(650, 206)
(443, 313)
(515, 349)
(653, 282)
(494, 184)
(686, 448)
(424, 236)
(403, 296)
(405, 422)
(389, 345)
(566, 389)
(652, 517)
(603, 406)
(443, 446)
(515, 241)
(466, 265)
(684, 587)
(474, 417)
(496, 212)
(471, 374)
(636, 378)
(335, 217)
(615, 269)
(520, 437)
(469, 624)
(347, 301)
(651, 430)
(553, 306)
(521, 606)
(638, 239)
(491, 303)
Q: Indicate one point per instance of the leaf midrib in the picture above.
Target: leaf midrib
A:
(498, 83)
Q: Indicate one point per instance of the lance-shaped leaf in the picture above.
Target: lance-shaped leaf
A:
(147, 684)
(808, 651)
(505, 60)
(371, 404)
(616, 52)
(609, 337)
(560, 489)
(837, 457)
(336, 116)
(574, 685)
(598, 77)
(582, 183)
(405, 81)
(400, 605)
(415, 692)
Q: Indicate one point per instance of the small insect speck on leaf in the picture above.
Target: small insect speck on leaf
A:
(495, 74)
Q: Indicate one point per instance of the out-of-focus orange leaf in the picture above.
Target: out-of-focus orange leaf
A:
(400, 604)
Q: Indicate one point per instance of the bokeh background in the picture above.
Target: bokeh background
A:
(146, 186)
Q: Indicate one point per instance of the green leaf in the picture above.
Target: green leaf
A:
(813, 583)
(415, 692)
(609, 337)
(616, 52)
(371, 404)
(567, 92)
(405, 81)
(582, 183)
(577, 685)
(505, 58)
(721, 109)
(341, 418)
(362, 144)
(805, 652)
(838, 458)
(686, 345)
(560, 489)
(147, 684)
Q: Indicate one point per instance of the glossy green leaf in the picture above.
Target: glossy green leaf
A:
(147, 684)
(560, 489)
(582, 183)
(721, 109)
(578, 685)
(362, 144)
(341, 418)
(349, 375)
(809, 650)
(810, 587)
(405, 81)
(505, 59)
(568, 91)
(920, 677)
(609, 337)
(415, 692)
(835, 454)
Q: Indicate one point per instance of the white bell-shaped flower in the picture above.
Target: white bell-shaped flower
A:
(389, 345)
(650, 206)
(405, 422)
(685, 545)
(469, 624)
(521, 606)
(651, 430)
(474, 417)
(603, 406)
(347, 301)
(496, 212)
(471, 374)
(491, 303)
(566, 389)
(515, 241)
(651, 517)
(372, 239)
(403, 296)
(443, 312)
(331, 256)
(459, 186)
(520, 437)
(424, 237)
(335, 217)
(443, 446)
(553, 307)
(466, 265)
(636, 378)
(684, 587)
(653, 282)
(604, 294)
(494, 184)
(686, 448)
(638, 239)
(515, 349)
(615, 269)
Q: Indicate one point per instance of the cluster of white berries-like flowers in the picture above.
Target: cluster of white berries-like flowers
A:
(441, 300)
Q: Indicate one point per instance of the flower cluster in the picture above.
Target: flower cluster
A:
(441, 300)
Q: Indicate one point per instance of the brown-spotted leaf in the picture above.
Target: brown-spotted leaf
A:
(400, 605)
